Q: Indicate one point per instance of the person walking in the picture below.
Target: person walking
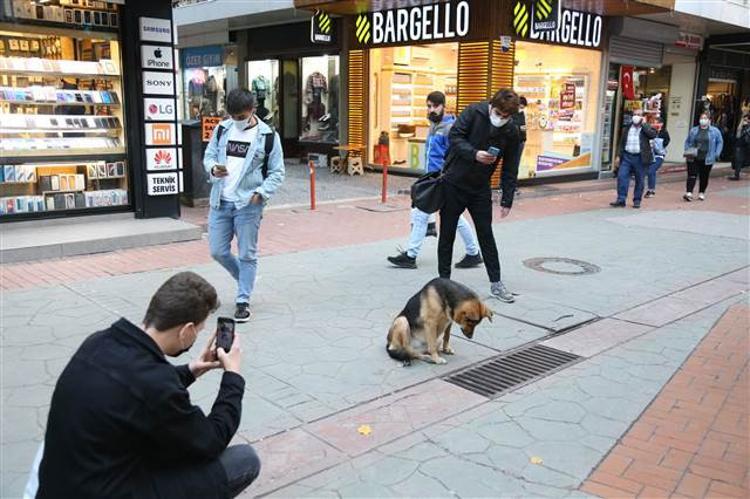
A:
(635, 155)
(436, 145)
(482, 136)
(245, 164)
(659, 146)
(742, 146)
(702, 148)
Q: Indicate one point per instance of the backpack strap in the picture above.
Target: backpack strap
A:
(219, 132)
(269, 148)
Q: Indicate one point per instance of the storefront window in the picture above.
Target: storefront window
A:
(206, 78)
(264, 83)
(62, 133)
(320, 99)
(559, 84)
(400, 80)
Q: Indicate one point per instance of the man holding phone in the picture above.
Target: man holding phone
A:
(483, 135)
(121, 423)
(245, 164)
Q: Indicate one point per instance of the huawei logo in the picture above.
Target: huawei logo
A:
(163, 158)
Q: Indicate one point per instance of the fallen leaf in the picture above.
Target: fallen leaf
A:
(536, 460)
(364, 430)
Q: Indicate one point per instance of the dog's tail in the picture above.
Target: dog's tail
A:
(399, 336)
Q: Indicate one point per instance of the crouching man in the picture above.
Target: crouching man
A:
(121, 423)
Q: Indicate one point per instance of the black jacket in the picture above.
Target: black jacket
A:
(519, 119)
(472, 132)
(647, 133)
(664, 134)
(121, 424)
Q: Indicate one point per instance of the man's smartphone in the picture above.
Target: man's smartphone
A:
(220, 168)
(493, 151)
(225, 333)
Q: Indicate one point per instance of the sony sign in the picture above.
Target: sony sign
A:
(573, 28)
(418, 24)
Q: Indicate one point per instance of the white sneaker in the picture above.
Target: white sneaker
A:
(701, 196)
(688, 196)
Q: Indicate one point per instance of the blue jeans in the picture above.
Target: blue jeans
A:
(226, 222)
(419, 221)
(630, 164)
(652, 169)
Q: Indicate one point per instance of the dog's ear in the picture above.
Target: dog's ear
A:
(486, 312)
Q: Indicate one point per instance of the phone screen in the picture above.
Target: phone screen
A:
(225, 333)
(493, 151)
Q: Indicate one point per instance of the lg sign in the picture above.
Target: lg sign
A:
(159, 109)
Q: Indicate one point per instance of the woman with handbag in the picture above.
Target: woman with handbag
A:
(702, 149)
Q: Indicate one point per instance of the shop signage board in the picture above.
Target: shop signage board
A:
(321, 28)
(156, 83)
(579, 29)
(418, 24)
(158, 109)
(689, 41)
(161, 158)
(155, 30)
(208, 123)
(162, 184)
(543, 15)
(545, 163)
(157, 57)
(160, 134)
(202, 57)
(568, 96)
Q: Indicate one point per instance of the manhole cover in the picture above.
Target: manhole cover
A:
(561, 266)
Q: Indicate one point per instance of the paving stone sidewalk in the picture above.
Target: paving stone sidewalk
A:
(316, 366)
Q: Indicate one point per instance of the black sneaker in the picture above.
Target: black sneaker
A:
(617, 204)
(733, 177)
(636, 205)
(242, 312)
(470, 261)
(403, 261)
(431, 230)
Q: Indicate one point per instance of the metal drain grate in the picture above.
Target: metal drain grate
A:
(500, 375)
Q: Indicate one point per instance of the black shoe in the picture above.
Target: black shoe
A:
(617, 204)
(650, 194)
(403, 261)
(636, 205)
(733, 177)
(242, 313)
(470, 261)
(431, 230)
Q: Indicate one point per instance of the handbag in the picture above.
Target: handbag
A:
(690, 152)
(427, 192)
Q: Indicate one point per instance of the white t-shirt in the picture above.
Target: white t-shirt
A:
(238, 145)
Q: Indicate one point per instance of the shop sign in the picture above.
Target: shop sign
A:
(161, 158)
(158, 109)
(545, 163)
(689, 41)
(162, 184)
(160, 134)
(612, 84)
(156, 57)
(568, 97)
(321, 28)
(580, 29)
(158, 83)
(202, 57)
(208, 123)
(155, 30)
(543, 15)
(439, 21)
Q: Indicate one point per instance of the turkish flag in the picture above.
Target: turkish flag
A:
(626, 80)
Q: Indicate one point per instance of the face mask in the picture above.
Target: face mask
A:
(704, 122)
(435, 117)
(242, 124)
(637, 120)
(184, 348)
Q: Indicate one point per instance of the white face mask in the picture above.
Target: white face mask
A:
(704, 122)
(242, 124)
(637, 120)
(496, 120)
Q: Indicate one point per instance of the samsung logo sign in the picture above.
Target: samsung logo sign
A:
(416, 24)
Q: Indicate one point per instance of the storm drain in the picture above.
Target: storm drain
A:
(500, 375)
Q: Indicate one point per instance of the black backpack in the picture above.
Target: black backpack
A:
(268, 146)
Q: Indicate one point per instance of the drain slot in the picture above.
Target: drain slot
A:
(504, 373)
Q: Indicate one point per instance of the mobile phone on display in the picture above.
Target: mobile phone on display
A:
(224, 333)
(493, 151)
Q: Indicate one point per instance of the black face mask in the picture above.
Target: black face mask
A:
(435, 117)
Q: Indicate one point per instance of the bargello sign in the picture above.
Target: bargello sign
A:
(441, 21)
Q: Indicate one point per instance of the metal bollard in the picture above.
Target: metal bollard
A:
(384, 193)
(312, 185)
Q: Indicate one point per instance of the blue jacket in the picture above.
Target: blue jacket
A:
(436, 146)
(715, 143)
(252, 177)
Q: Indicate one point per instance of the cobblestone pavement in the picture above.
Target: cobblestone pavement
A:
(316, 371)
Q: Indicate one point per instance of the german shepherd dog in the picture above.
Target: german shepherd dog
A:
(426, 320)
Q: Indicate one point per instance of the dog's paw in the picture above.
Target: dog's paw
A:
(448, 351)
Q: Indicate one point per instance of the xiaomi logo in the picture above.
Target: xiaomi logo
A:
(160, 134)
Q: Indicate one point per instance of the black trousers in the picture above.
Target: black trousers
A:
(242, 467)
(479, 205)
(739, 159)
(698, 169)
